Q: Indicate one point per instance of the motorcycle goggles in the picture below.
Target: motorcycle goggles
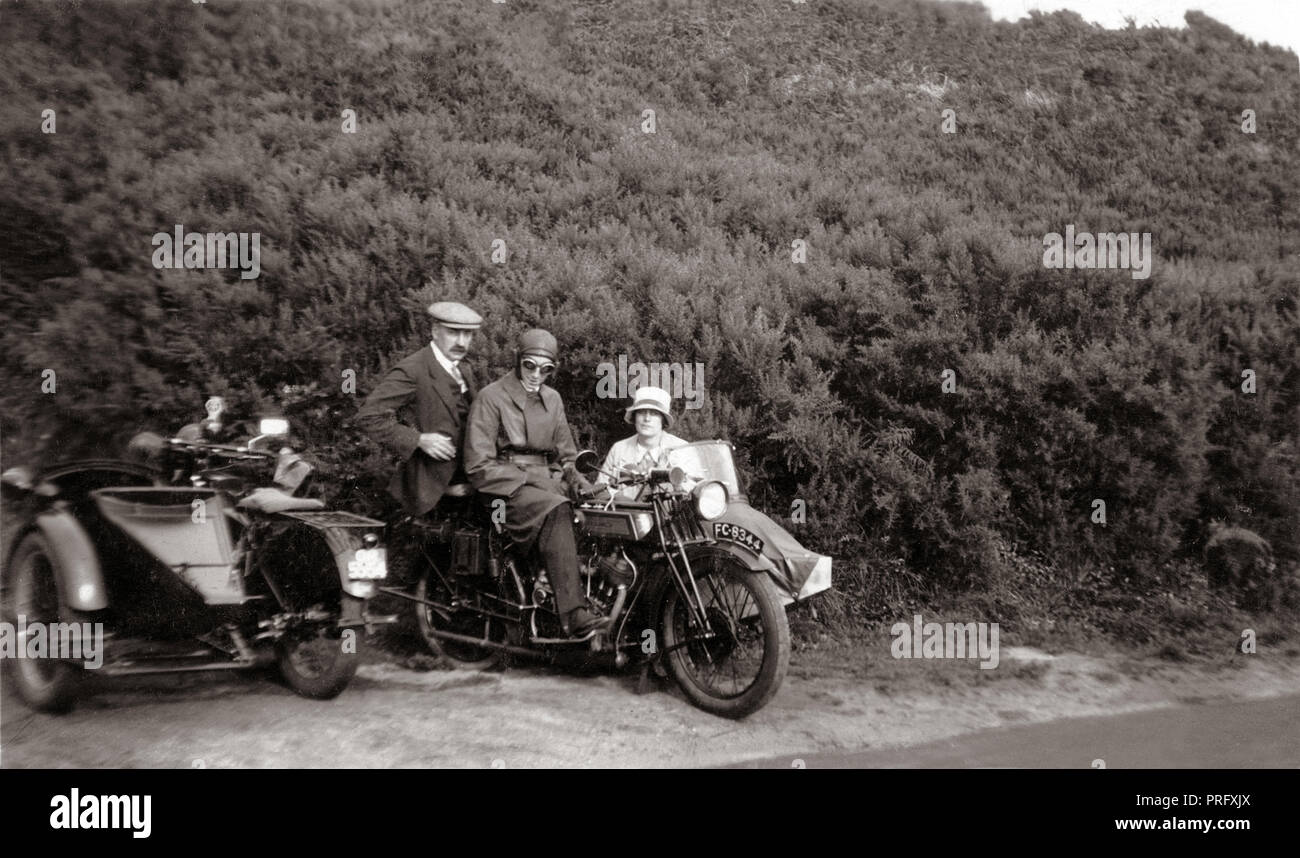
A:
(546, 368)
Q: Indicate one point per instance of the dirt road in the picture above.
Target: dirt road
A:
(392, 716)
(1255, 734)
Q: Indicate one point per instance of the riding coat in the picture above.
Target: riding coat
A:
(518, 447)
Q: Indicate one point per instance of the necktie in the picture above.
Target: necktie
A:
(460, 379)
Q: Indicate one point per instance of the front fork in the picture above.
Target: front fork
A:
(691, 593)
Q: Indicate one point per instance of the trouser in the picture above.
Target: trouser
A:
(559, 553)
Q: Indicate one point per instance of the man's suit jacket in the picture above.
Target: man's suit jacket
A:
(417, 395)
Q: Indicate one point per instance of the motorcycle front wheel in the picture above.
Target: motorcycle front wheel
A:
(319, 663)
(461, 655)
(30, 591)
(735, 666)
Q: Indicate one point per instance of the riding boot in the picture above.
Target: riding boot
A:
(559, 553)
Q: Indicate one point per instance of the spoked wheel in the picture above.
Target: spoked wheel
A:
(461, 655)
(319, 662)
(31, 592)
(734, 667)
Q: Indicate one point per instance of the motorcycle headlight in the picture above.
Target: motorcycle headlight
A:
(273, 426)
(710, 500)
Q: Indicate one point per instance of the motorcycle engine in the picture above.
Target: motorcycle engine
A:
(605, 570)
(542, 593)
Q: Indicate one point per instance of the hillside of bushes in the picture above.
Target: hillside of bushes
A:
(774, 122)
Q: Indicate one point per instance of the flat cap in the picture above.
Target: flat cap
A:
(456, 316)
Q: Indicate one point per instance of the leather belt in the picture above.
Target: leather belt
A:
(528, 458)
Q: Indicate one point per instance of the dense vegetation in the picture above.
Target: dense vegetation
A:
(775, 121)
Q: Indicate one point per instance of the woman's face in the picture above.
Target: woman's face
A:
(533, 371)
(649, 424)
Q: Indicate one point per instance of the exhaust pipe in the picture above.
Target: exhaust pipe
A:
(452, 636)
(614, 613)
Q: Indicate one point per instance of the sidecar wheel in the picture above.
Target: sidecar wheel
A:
(735, 671)
(317, 664)
(460, 655)
(30, 590)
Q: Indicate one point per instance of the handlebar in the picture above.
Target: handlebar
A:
(654, 475)
(625, 478)
(229, 451)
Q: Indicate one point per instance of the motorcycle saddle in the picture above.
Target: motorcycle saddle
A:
(274, 500)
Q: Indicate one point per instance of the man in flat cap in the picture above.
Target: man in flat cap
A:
(419, 409)
(518, 447)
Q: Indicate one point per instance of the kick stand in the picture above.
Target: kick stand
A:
(644, 685)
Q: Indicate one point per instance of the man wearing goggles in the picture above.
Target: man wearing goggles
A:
(518, 447)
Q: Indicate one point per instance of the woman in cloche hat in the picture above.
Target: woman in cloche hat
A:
(648, 448)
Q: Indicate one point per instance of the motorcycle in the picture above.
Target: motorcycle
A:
(206, 556)
(702, 606)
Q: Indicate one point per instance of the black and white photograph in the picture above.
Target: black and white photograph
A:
(651, 384)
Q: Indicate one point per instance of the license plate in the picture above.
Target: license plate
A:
(368, 564)
(735, 533)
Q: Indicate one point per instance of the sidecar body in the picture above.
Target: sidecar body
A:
(800, 573)
(797, 572)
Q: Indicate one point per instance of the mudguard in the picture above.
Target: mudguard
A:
(360, 569)
(792, 584)
(78, 573)
(756, 562)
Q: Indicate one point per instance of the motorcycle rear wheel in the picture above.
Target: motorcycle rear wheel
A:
(458, 654)
(736, 671)
(31, 590)
(317, 664)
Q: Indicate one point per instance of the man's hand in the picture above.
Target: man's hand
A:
(438, 446)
